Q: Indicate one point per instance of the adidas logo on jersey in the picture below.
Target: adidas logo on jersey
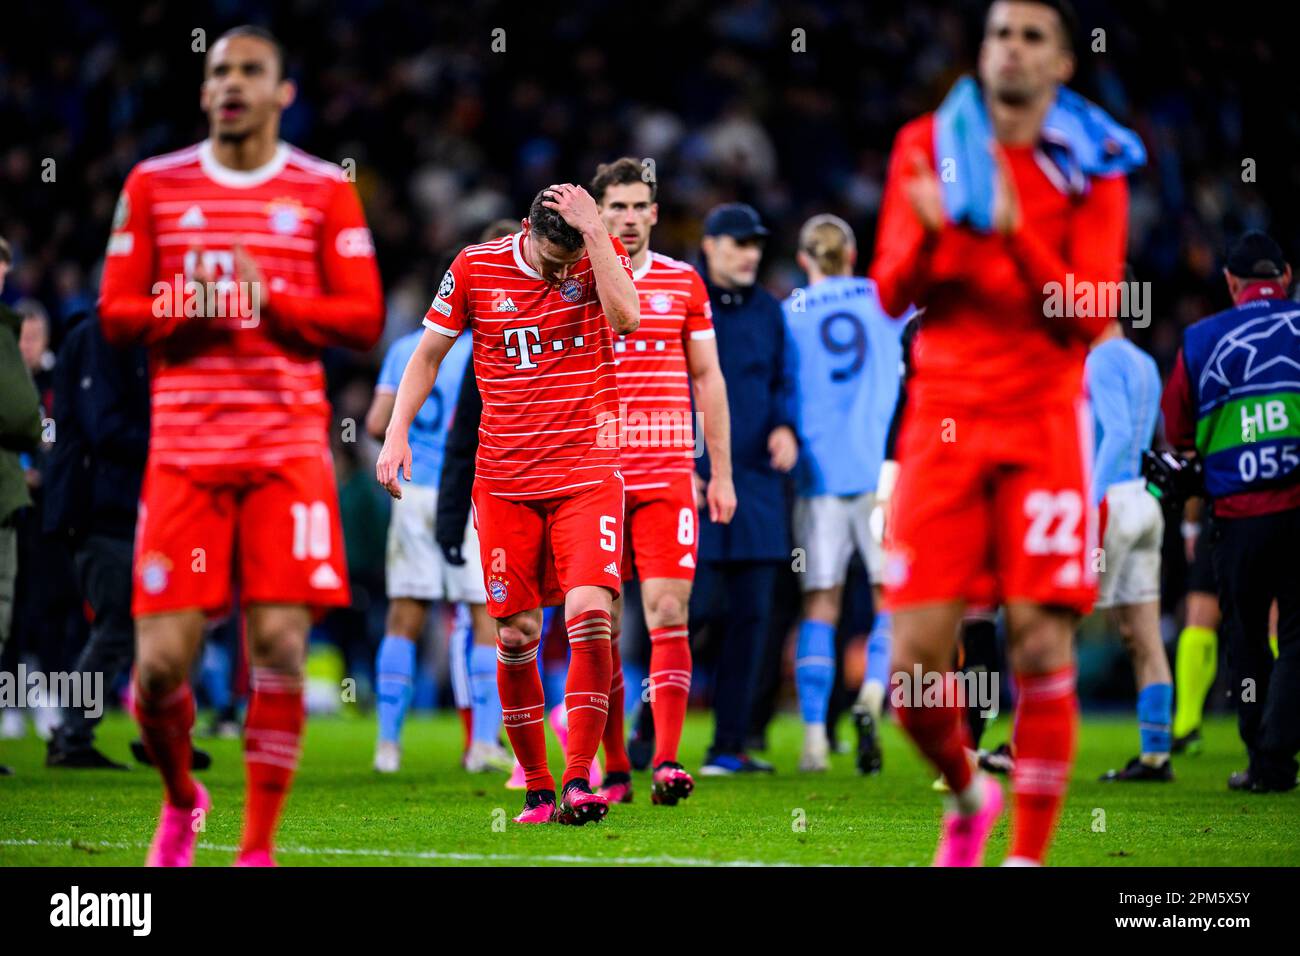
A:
(507, 305)
(687, 561)
(324, 578)
(611, 568)
(193, 218)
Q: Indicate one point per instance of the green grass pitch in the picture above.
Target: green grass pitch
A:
(432, 813)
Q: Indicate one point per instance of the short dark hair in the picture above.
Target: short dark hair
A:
(6, 254)
(257, 33)
(548, 224)
(1065, 12)
(621, 172)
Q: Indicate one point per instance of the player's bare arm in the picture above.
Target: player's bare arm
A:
(379, 414)
(412, 392)
(711, 399)
(618, 296)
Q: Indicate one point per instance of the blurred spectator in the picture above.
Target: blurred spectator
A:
(20, 431)
(101, 406)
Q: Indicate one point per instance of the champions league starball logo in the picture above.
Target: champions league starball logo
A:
(447, 286)
(1261, 347)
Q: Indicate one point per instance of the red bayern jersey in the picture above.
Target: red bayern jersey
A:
(654, 382)
(987, 342)
(544, 359)
(246, 390)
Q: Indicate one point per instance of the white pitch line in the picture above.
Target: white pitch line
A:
(436, 855)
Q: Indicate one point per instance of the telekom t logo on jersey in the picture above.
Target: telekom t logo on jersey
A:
(525, 341)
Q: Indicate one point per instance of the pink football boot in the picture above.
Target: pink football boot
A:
(539, 807)
(255, 858)
(670, 784)
(963, 839)
(173, 841)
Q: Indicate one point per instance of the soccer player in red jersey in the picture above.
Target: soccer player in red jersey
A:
(991, 504)
(544, 304)
(236, 261)
(673, 353)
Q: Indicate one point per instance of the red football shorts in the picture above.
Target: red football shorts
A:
(537, 550)
(661, 531)
(993, 510)
(278, 531)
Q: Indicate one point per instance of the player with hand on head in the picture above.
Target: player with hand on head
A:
(544, 305)
(236, 261)
(846, 355)
(673, 355)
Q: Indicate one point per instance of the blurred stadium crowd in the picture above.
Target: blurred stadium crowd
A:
(451, 124)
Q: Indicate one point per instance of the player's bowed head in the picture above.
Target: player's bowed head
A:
(562, 224)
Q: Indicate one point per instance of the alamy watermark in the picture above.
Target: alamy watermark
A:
(1083, 298)
(660, 428)
(922, 688)
(74, 690)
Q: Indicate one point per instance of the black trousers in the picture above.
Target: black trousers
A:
(734, 598)
(104, 576)
(1255, 561)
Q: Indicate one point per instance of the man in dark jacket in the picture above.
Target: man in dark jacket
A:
(20, 431)
(101, 407)
(739, 561)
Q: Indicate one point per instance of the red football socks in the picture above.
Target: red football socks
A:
(670, 688)
(940, 734)
(165, 728)
(523, 710)
(586, 692)
(616, 759)
(1045, 727)
(272, 743)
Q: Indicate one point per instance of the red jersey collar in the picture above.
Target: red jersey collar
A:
(1262, 289)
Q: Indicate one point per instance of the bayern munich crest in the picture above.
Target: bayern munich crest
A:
(497, 591)
(661, 302)
(571, 290)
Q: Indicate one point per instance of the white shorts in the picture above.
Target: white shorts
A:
(828, 528)
(1135, 529)
(415, 564)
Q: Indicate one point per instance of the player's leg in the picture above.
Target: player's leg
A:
(413, 572)
(1046, 551)
(1040, 651)
(822, 531)
(666, 601)
(979, 657)
(395, 676)
(1197, 656)
(486, 752)
(167, 645)
(925, 642)
(291, 564)
(1139, 626)
(936, 559)
(869, 706)
(511, 548)
(277, 652)
(182, 571)
(586, 540)
(617, 783)
(1130, 587)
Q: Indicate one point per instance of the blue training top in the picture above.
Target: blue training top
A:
(845, 354)
(428, 436)
(1124, 387)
